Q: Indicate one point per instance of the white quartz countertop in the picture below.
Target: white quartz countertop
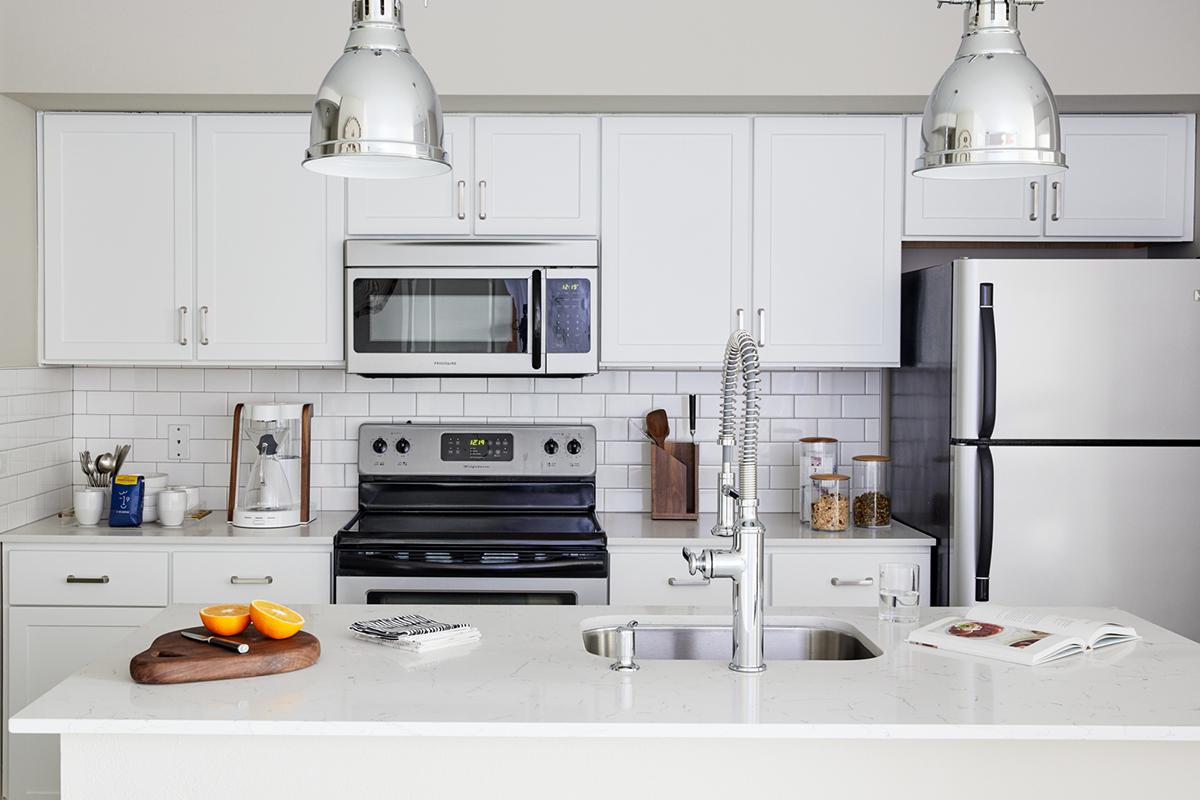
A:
(530, 676)
(61, 530)
(783, 530)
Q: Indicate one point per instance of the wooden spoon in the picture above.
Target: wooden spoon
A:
(658, 427)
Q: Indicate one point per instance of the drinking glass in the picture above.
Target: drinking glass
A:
(899, 592)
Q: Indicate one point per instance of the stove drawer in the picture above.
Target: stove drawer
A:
(242, 576)
(661, 578)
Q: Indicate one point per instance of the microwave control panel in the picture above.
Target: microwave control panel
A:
(569, 303)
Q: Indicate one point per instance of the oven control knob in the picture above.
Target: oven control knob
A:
(402, 446)
(573, 447)
(379, 446)
(551, 447)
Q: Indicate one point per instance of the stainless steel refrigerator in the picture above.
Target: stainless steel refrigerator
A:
(1045, 429)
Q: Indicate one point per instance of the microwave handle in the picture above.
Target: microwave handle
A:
(536, 319)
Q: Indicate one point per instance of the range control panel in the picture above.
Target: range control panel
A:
(459, 450)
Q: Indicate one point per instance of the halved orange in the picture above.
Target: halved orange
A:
(227, 619)
(275, 621)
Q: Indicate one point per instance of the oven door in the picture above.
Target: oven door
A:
(420, 321)
(395, 590)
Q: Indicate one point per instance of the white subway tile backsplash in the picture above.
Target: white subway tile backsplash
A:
(140, 379)
(795, 404)
(38, 460)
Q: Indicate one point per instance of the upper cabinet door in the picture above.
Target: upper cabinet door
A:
(269, 244)
(978, 209)
(827, 210)
(440, 205)
(117, 246)
(537, 176)
(676, 238)
(1129, 178)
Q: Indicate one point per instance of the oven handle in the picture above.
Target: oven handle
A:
(394, 568)
(536, 319)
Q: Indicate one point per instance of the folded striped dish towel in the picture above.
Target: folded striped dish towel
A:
(414, 633)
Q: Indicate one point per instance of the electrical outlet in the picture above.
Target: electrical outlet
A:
(179, 442)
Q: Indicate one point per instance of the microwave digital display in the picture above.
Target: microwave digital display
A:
(477, 447)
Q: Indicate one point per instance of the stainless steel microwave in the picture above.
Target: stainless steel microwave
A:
(472, 307)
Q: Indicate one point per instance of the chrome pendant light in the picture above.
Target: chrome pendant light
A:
(992, 115)
(376, 114)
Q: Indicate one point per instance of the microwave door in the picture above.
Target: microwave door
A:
(436, 321)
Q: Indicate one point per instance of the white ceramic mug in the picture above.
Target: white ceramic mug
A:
(193, 493)
(172, 507)
(89, 505)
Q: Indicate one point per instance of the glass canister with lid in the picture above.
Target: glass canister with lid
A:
(818, 456)
(872, 492)
(830, 509)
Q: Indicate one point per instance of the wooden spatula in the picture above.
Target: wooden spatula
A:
(658, 427)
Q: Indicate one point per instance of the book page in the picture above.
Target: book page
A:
(1085, 629)
(1006, 642)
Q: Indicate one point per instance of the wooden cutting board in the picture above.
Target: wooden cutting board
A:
(174, 659)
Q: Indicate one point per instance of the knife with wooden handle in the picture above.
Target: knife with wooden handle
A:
(237, 647)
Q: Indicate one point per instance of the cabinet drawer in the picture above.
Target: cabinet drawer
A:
(661, 579)
(802, 579)
(238, 576)
(87, 578)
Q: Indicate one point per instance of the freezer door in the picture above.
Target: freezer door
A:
(1084, 349)
(1082, 526)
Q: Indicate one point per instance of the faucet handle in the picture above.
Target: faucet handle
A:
(729, 491)
(698, 563)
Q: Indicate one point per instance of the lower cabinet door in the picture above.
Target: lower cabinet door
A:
(45, 645)
(662, 579)
(835, 579)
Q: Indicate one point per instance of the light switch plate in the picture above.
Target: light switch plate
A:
(179, 442)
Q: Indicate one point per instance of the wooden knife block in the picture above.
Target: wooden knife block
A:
(674, 484)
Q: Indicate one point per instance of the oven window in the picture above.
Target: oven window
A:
(473, 598)
(441, 315)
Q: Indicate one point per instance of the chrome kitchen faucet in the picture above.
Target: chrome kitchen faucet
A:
(737, 508)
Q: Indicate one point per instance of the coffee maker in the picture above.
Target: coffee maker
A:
(269, 466)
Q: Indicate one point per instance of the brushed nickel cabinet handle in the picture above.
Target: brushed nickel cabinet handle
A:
(204, 325)
(237, 580)
(852, 582)
(1057, 215)
(741, 319)
(762, 327)
(483, 199)
(462, 199)
(1033, 190)
(688, 582)
(76, 579)
(183, 340)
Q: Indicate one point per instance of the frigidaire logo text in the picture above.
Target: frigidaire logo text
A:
(446, 363)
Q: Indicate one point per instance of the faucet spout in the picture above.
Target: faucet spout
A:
(737, 508)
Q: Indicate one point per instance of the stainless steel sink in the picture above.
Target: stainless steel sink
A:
(810, 639)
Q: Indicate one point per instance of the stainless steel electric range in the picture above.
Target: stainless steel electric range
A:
(474, 514)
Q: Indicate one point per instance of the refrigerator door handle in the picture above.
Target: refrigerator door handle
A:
(987, 320)
(987, 515)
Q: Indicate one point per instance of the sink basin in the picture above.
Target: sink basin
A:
(808, 639)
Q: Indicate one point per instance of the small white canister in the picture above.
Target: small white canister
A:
(818, 456)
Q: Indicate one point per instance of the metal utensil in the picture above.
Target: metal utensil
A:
(105, 465)
(237, 647)
(122, 451)
(89, 467)
(658, 426)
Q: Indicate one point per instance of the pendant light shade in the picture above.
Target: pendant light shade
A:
(992, 115)
(376, 114)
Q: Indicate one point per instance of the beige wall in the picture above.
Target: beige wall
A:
(18, 235)
(587, 47)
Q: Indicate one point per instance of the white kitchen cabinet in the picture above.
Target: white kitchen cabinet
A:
(659, 577)
(537, 176)
(837, 578)
(978, 209)
(676, 234)
(45, 645)
(441, 205)
(269, 239)
(87, 577)
(239, 576)
(117, 237)
(1129, 178)
(827, 229)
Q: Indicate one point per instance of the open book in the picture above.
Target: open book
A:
(1021, 636)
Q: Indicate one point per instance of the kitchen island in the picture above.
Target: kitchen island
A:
(527, 712)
